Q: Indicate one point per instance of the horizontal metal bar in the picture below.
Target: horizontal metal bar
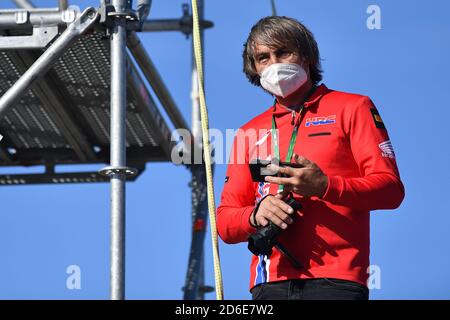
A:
(63, 156)
(19, 19)
(183, 25)
(57, 178)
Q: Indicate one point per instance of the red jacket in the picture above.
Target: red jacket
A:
(345, 136)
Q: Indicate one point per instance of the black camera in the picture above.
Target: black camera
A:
(262, 242)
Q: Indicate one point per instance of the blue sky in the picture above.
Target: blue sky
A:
(403, 67)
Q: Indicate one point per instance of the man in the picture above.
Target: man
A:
(349, 168)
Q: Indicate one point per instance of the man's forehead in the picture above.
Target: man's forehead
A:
(259, 48)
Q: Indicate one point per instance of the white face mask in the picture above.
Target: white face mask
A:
(282, 79)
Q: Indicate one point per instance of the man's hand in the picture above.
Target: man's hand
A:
(272, 208)
(308, 181)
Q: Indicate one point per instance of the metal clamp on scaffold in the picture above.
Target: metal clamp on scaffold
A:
(134, 19)
(118, 171)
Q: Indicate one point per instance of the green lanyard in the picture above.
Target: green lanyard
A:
(275, 142)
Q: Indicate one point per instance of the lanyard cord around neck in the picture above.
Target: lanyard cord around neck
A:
(275, 141)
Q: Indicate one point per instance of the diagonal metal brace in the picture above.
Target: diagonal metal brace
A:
(83, 23)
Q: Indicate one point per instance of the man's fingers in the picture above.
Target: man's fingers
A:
(281, 170)
(262, 221)
(279, 180)
(281, 210)
(275, 210)
(302, 160)
(280, 213)
(282, 205)
(273, 214)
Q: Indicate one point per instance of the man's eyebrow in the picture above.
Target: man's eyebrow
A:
(260, 54)
(277, 49)
(283, 49)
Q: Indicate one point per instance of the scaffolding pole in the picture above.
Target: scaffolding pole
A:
(118, 153)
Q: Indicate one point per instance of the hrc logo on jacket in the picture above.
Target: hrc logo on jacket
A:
(320, 121)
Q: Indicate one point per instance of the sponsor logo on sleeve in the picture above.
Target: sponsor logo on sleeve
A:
(387, 150)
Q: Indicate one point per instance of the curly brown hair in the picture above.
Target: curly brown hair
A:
(278, 32)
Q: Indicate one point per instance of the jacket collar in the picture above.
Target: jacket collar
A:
(320, 91)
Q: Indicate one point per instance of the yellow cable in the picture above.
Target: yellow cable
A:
(207, 153)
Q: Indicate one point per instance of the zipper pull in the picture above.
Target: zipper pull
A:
(293, 117)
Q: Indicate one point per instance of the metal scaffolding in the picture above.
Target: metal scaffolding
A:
(72, 94)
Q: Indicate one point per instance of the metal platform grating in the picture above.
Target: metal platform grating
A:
(65, 117)
(27, 125)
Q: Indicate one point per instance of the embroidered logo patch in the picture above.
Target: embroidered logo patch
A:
(263, 189)
(320, 121)
(377, 119)
(386, 149)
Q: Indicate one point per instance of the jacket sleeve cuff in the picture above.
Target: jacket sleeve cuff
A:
(245, 220)
(334, 189)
